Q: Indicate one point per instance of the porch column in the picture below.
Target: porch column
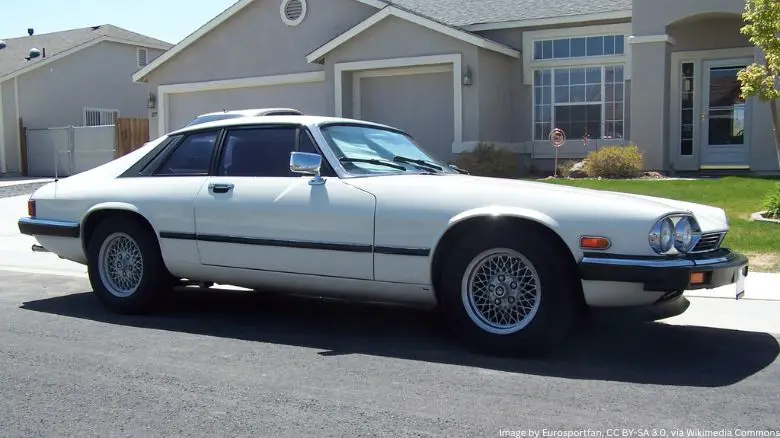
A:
(649, 105)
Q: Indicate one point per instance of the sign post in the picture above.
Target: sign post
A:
(557, 138)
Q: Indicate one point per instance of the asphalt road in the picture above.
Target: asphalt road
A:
(241, 364)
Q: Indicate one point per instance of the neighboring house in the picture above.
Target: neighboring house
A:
(657, 73)
(80, 77)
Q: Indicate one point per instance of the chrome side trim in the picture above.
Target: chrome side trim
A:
(49, 222)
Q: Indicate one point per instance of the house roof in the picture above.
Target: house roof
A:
(395, 11)
(57, 44)
(459, 13)
(456, 15)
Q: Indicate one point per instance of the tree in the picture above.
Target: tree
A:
(762, 18)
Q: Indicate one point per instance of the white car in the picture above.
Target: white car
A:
(236, 114)
(350, 209)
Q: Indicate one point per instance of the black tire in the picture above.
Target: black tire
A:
(155, 280)
(557, 302)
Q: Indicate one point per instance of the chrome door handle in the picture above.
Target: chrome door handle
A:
(220, 187)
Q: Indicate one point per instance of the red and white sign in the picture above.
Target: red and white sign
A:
(557, 138)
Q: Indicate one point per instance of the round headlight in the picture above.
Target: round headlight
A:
(662, 236)
(683, 235)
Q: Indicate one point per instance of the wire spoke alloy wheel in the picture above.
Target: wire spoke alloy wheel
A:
(121, 265)
(501, 291)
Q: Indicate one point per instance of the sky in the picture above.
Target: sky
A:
(168, 20)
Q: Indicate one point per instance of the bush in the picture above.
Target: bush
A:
(615, 162)
(771, 205)
(490, 160)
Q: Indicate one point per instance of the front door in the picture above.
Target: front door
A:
(255, 214)
(725, 130)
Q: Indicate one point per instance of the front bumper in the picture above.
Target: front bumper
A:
(665, 274)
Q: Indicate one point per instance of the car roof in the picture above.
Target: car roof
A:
(251, 111)
(284, 119)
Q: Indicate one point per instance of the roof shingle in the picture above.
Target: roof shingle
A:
(12, 57)
(459, 13)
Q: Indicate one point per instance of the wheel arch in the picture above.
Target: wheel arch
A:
(100, 212)
(471, 220)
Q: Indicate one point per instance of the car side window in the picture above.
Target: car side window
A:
(258, 152)
(306, 144)
(191, 157)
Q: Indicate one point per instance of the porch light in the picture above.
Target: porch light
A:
(467, 76)
(152, 102)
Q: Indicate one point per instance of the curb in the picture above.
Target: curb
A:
(759, 217)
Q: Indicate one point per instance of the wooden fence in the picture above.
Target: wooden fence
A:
(131, 134)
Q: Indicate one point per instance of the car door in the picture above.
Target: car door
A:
(254, 213)
(163, 187)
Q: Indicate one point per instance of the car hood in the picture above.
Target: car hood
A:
(572, 204)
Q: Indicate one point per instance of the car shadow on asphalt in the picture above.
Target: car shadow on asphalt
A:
(652, 353)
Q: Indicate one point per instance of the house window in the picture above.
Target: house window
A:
(579, 47)
(579, 100)
(143, 57)
(686, 109)
(100, 117)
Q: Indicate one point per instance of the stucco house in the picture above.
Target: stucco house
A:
(78, 77)
(657, 73)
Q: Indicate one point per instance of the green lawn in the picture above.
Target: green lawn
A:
(739, 196)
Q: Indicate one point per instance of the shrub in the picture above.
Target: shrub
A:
(615, 162)
(771, 205)
(490, 160)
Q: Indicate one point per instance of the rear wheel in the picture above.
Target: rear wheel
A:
(508, 293)
(126, 269)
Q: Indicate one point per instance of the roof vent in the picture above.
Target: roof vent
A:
(3, 45)
(293, 11)
(30, 31)
(34, 53)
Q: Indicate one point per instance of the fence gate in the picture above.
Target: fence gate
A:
(68, 150)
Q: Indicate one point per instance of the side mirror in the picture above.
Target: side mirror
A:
(304, 162)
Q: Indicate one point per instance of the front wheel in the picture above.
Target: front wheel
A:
(508, 293)
(126, 269)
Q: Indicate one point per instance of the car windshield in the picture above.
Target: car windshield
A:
(213, 118)
(368, 150)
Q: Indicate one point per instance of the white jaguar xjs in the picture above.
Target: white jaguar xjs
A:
(351, 209)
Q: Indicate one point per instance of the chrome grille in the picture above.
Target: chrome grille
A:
(709, 242)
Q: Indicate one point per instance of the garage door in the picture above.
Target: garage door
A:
(420, 104)
(310, 98)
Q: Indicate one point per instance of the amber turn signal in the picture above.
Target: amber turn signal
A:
(31, 208)
(697, 278)
(587, 242)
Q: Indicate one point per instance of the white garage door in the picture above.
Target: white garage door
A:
(310, 98)
(420, 104)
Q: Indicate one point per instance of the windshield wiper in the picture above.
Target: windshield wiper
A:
(372, 161)
(428, 164)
